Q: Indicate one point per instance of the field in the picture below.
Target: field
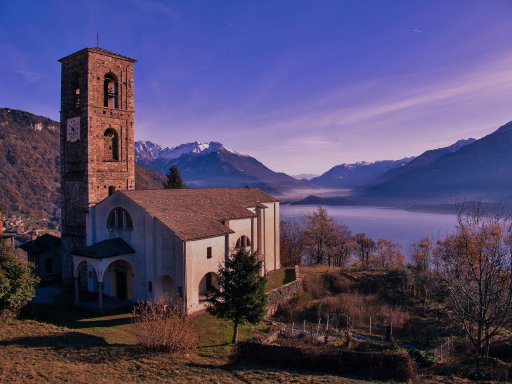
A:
(63, 344)
(67, 345)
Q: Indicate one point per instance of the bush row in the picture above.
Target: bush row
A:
(386, 365)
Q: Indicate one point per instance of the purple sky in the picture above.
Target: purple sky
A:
(300, 85)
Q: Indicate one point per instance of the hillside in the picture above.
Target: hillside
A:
(213, 165)
(29, 165)
(474, 170)
(357, 174)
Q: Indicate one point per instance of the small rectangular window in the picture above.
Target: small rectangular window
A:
(209, 252)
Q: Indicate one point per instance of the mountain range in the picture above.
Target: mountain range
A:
(203, 164)
(467, 170)
(357, 174)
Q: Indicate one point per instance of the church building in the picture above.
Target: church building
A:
(140, 244)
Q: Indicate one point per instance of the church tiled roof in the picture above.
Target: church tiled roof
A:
(104, 249)
(199, 213)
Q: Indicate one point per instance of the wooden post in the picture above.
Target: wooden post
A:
(370, 325)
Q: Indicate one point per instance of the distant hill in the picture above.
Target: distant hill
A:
(469, 170)
(29, 165)
(213, 165)
(421, 161)
(357, 174)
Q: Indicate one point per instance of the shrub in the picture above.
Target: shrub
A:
(423, 359)
(483, 368)
(502, 351)
(17, 282)
(388, 365)
(360, 307)
(162, 325)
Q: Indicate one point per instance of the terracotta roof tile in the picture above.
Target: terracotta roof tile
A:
(105, 248)
(199, 213)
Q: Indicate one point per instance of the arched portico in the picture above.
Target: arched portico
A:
(118, 279)
(109, 258)
(208, 284)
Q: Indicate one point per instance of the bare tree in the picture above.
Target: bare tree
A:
(320, 236)
(474, 267)
(388, 254)
(345, 246)
(364, 246)
(421, 253)
(291, 247)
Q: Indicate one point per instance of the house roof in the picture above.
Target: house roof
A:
(41, 244)
(104, 249)
(199, 213)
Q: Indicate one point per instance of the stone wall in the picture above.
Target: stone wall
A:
(283, 294)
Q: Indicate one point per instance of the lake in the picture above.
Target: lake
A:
(403, 227)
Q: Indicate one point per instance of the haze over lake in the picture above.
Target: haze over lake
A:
(401, 226)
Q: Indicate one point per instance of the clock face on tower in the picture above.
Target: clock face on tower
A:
(73, 129)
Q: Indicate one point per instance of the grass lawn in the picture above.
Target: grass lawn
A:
(275, 279)
(68, 345)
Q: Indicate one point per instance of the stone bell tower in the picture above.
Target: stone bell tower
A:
(96, 138)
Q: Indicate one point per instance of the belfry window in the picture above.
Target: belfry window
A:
(110, 91)
(119, 218)
(75, 90)
(110, 145)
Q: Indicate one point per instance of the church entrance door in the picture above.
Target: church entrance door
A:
(122, 285)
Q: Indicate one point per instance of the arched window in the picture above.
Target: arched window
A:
(243, 242)
(119, 218)
(110, 145)
(110, 91)
(75, 90)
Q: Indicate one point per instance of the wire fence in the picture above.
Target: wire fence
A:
(444, 351)
(331, 326)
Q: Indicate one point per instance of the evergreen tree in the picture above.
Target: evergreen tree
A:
(174, 180)
(17, 282)
(240, 297)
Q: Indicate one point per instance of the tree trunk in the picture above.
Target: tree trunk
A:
(235, 332)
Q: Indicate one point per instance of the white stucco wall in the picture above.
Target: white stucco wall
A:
(158, 252)
(198, 265)
(161, 257)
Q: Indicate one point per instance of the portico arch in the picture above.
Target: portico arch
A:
(118, 279)
(83, 273)
(208, 284)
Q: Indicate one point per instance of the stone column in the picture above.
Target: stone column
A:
(77, 291)
(100, 297)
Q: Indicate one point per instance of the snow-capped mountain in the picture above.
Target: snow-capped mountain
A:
(356, 174)
(210, 164)
(147, 151)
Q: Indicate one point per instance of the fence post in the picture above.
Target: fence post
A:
(370, 325)
(293, 323)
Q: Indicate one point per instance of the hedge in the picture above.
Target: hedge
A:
(386, 365)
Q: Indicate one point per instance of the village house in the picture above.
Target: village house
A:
(141, 244)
